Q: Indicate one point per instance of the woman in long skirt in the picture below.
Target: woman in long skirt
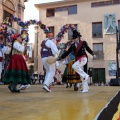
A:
(17, 71)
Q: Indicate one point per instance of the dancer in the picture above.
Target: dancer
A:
(79, 48)
(66, 62)
(48, 48)
(17, 71)
(3, 50)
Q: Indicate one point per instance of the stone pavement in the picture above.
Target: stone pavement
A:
(61, 104)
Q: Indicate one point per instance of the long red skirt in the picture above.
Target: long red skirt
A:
(17, 71)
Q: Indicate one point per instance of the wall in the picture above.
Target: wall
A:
(84, 18)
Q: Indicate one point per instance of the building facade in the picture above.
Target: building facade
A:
(12, 7)
(96, 20)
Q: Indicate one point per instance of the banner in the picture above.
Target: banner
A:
(112, 68)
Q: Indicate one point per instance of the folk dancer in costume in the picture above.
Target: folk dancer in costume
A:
(79, 48)
(3, 50)
(48, 48)
(66, 62)
(17, 71)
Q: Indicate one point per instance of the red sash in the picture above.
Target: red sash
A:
(78, 47)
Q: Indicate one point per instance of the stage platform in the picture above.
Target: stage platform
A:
(61, 104)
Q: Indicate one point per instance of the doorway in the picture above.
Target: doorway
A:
(99, 75)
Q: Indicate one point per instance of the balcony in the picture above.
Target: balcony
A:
(99, 55)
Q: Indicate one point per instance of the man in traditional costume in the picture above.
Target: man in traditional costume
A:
(3, 50)
(79, 49)
(48, 48)
(17, 71)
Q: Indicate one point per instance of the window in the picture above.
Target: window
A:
(108, 2)
(64, 8)
(70, 33)
(72, 9)
(7, 14)
(116, 2)
(101, 3)
(105, 3)
(51, 28)
(58, 9)
(97, 30)
(94, 4)
(50, 12)
(98, 50)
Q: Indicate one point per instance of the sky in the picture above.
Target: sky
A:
(32, 13)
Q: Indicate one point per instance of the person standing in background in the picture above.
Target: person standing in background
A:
(3, 50)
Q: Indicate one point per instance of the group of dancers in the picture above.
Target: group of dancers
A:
(17, 71)
(78, 48)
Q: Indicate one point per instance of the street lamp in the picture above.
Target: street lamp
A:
(116, 81)
(117, 52)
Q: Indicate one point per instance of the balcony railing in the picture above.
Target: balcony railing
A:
(99, 55)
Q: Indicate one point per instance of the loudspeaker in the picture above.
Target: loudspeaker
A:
(114, 82)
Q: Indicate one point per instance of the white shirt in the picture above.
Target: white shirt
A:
(52, 45)
(4, 50)
(76, 43)
(18, 46)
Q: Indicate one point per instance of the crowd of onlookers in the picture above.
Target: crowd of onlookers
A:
(39, 78)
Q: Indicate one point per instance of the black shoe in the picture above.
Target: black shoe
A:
(10, 88)
(15, 88)
(17, 91)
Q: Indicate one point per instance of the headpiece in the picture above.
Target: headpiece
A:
(76, 34)
(15, 36)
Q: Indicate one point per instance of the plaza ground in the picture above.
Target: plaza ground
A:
(61, 104)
